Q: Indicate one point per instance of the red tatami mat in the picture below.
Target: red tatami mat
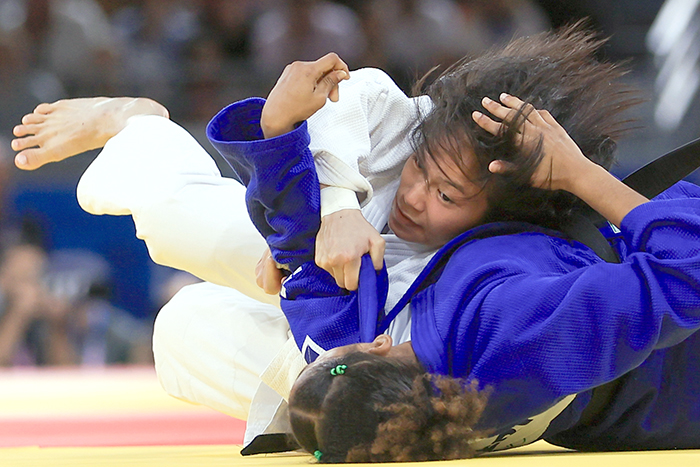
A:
(122, 406)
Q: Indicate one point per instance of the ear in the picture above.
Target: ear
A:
(381, 345)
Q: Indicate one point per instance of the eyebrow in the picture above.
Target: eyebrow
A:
(457, 186)
(444, 178)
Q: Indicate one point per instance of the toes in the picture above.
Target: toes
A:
(33, 118)
(24, 130)
(24, 143)
(43, 108)
(20, 130)
(29, 159)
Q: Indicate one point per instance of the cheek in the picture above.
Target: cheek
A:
(448, 223)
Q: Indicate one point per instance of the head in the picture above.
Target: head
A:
(557, 71)
(361, 403)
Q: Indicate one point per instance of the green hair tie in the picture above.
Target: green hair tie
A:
(318, 454)
(338, 370)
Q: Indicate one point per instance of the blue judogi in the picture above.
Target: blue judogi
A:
(521, 309)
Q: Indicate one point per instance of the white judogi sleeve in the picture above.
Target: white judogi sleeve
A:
(362, 141)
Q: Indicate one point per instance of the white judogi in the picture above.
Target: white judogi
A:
(224, 343)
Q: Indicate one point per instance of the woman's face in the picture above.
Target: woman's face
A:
(432, 206)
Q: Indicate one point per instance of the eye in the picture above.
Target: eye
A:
(444, 197)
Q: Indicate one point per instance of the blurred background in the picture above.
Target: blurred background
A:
(77, 289)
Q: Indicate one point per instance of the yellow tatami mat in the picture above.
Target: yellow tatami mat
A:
(55, 399)
(538, 455)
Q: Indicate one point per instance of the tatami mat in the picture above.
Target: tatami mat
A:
(103, 407)
(538, 455)
(121, 417)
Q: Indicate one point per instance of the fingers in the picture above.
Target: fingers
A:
(511, 109)
(500, 167)
(332, 61)
(332, 71)
(514, 105)
(376, 252)
(351, 275)
(327, 86)
(346, 272)
(486, 123)
(548, 118)
(507, 111)
(267, 276)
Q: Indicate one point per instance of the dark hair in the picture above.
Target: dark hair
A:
(556, 71)
(382, 410)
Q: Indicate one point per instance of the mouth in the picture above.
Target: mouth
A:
(401, 216)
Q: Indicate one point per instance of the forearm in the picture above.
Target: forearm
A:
(603, 192)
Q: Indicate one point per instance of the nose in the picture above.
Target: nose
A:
(416, 194)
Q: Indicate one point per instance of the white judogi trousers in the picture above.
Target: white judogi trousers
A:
(214, 340)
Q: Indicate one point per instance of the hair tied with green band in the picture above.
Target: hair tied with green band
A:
(338, 370)
(318, 454)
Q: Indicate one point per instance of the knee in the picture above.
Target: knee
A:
(171, 324)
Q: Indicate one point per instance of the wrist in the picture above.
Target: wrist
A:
(584, 178)
(334, 199)
(272, 127)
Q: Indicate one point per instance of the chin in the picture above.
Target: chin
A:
(405, 234)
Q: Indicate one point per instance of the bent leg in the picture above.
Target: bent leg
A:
(190, 217)
(212, 343)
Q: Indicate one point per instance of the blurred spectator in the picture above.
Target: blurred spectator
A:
(79, 45)
(498, 21)
(416, 35)
(153, 36)
(94, 331)
(167, 282)
(305, 30)
(23, 303)
(54, 310)
(22, 84)
(70, 39)
(219, 68)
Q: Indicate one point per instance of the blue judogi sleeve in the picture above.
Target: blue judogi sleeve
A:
(282, 195)
(283, 199)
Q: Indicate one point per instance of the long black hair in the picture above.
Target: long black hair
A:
(556, 71)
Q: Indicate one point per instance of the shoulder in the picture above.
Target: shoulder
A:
(680, 190)
(518, 250)
(370, 76)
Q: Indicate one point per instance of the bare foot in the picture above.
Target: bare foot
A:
(54, 132)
